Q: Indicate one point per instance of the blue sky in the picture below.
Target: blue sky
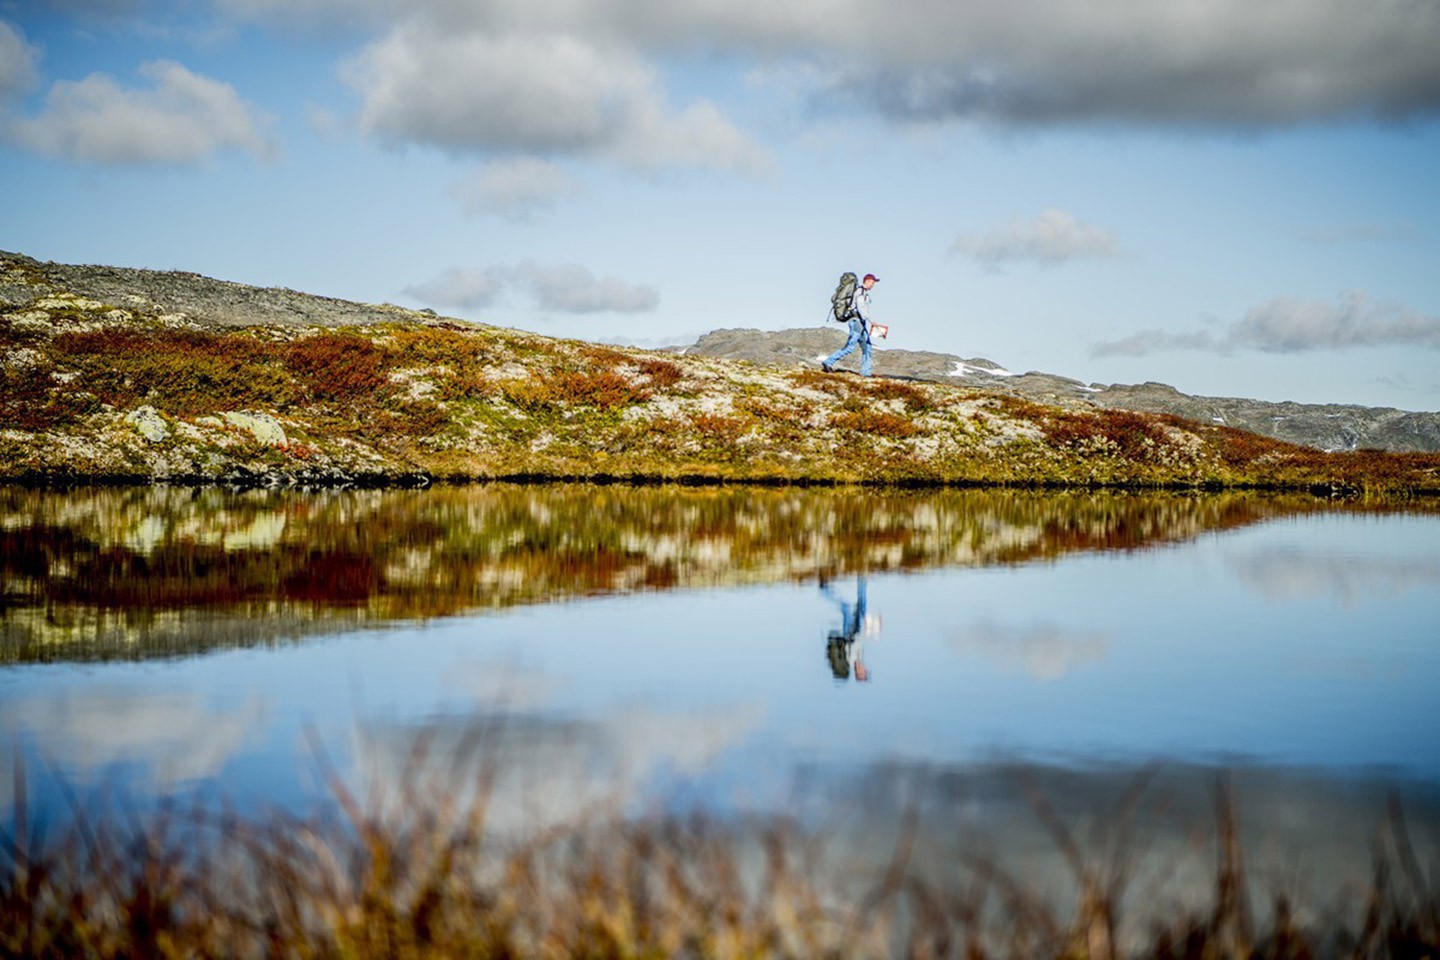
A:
(1239, 199)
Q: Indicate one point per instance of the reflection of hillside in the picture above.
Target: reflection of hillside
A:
(160, 571)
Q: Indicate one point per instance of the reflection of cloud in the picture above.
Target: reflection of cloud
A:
(173, 736)
(1044, 651)
(552, 769)
(1308, 833)
(503, 687)
(1286, 574)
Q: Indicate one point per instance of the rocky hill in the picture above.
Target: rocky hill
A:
(110, 374)
(1325, 426)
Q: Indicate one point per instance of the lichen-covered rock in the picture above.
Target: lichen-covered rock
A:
(262, 426)
(148, 423)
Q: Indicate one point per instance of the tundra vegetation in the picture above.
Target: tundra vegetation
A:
(93, 391)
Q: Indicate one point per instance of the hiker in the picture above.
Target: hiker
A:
(843, 646)
(859, 320)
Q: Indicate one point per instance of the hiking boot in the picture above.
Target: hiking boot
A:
(828, 368)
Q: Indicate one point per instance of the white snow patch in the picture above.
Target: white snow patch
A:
(963, 369)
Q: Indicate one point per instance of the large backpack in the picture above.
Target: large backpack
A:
(841, 301)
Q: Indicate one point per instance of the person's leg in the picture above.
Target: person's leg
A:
(865, 355)
(850, 344)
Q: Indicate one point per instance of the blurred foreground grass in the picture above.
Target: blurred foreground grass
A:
(414, 871)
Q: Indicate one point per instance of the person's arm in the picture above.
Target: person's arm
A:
(860, 304)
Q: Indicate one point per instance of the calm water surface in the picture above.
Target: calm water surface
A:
(727, 649)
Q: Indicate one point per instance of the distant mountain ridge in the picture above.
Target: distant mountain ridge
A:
(1324, 426)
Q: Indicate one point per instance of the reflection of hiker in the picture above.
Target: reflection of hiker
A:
(859, 319)
(843, 647)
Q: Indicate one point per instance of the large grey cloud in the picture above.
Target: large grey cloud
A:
(561, 288)
(1288, 325)
(181, 118)
(546, 93)
(1050, 239)
(1223, 63)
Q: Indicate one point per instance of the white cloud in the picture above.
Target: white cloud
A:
(513, 189)
(460, 289)
(549, 93)
(18, 63)
(562, 288)
(183, 118)
(1289, 325)
(571, 288)
(1052, 238)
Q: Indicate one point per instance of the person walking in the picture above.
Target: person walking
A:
(859, 328)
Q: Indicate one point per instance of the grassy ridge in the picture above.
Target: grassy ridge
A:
(91, 391)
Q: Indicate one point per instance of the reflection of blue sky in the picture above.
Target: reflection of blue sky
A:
(1189, 652)
(1045, 651)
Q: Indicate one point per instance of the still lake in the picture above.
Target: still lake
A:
(733, 650)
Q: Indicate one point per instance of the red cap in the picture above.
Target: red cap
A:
(870, 276)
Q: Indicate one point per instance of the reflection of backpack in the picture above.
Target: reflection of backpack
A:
(842, 300)
(838, 656)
